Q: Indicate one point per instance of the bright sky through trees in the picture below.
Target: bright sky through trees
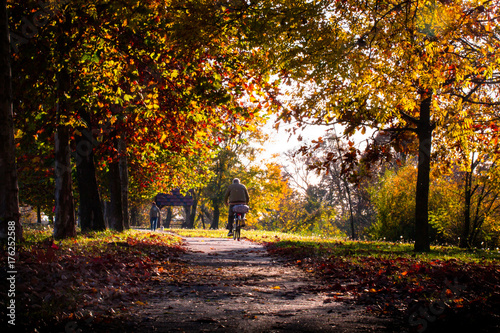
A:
(283, 140)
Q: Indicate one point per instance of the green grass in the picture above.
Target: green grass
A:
(219, 233)
(320, 246)
(288, 242)
(253, 235)
(97, 241)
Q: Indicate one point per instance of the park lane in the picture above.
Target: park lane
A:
(235, 286)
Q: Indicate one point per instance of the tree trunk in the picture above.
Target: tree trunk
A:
(38, 215)
(107, 213)
(115, 194)
(65, 223)
(168, 219)
(215, 221)
(347, 191)
(202, 216)
(479, 218)
(194, 207)
(187, 213)
(351, 214)
(9, 190)
(91, 214)
(122, 150)
(424, 133)
(464, 239)
(134, 213)
(190, 215)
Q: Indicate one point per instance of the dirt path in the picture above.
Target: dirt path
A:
(236, 287)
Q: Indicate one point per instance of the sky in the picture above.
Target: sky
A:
(282, 141)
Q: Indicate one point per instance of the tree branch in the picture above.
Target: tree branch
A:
(409, 118)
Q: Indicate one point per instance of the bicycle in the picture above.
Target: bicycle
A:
(239, 220)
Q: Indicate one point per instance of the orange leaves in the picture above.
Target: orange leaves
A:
(163, 137)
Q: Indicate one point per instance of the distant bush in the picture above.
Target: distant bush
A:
(394, 200)
(393, 197)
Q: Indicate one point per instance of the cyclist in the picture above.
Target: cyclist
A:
(236, 194)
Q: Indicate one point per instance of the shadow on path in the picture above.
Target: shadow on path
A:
(233, 286)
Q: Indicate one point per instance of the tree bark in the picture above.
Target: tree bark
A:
(202, 217)
(215, 222)
(122, 151)
(424, 133)
(9, 190)
(107, 213)
(194, 207)
(115, 194)
(187, 213)
(91, 213)
(65, 223)
(168, 219)
(190, 215)
(464, 238)
(134, 212)
(347, 191)
(351, 214)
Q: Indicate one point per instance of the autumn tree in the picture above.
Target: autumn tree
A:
(398, 67)
(35, 173)
(228, 163)
(481, 194)
(346, 185)
(9, 192)
(142, 81)
(472, 162)
(296, 169)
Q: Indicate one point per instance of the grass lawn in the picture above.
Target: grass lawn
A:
(321, 246)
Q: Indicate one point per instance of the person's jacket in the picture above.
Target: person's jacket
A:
(154, 211)
(236, 193)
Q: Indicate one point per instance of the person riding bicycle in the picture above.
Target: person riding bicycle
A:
(236, 194)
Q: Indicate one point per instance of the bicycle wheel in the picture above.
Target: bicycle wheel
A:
(235, 226)
(238, 229)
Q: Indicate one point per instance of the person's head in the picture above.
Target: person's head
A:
(236, 181)
(153, 203)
